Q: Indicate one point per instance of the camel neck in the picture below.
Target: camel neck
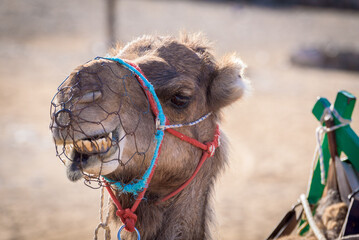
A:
(184, 216)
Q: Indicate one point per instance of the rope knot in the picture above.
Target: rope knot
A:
(211, 148)
(128, 218)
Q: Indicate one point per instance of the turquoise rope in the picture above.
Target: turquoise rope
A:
(139, 185)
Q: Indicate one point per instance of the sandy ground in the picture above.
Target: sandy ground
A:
(271, 132)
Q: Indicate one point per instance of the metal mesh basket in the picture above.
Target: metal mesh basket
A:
(101, 120)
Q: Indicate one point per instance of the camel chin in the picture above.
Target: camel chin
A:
(94, 156)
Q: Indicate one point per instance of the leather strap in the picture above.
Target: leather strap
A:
(342, 179)
(286, 225)
(351, 224)
(351, 175)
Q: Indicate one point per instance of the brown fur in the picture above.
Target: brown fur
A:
(183, 66)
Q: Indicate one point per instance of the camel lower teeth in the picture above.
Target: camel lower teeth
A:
(68, 149)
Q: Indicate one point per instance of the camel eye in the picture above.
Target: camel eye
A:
(180, 101)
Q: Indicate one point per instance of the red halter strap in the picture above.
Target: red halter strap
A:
(208, 151)
(127, 216)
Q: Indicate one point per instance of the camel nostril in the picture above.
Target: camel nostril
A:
(63, 118)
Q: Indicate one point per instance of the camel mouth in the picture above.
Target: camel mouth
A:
(84, 154)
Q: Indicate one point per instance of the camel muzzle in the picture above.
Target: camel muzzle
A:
(101, 121)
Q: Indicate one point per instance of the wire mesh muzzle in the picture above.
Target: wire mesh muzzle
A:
(101, 113)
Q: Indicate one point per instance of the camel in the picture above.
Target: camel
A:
(102, 126)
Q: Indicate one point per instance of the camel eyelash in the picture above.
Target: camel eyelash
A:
(180, 101)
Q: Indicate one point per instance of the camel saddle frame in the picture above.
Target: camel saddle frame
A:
(340, 157)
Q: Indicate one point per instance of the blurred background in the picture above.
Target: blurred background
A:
(295, 51)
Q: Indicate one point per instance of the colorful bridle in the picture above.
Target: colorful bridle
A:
(127, 216)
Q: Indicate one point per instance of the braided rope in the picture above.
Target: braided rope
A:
(103, 224)
(164, 127)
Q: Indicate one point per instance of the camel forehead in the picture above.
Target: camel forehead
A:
(169, 63)
(177, 54)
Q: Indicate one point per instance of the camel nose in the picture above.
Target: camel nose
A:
(63, 117)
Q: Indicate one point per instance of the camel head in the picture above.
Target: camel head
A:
(102, 122)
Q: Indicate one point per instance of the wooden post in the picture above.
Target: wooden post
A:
(111, 22)
(332, 144)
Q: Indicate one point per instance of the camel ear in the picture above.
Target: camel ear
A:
(228, 84)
